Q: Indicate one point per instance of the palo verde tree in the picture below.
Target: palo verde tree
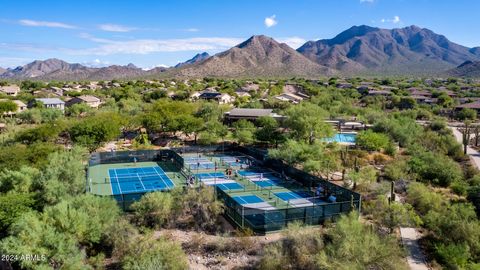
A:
(307, 122)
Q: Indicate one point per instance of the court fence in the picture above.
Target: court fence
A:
(126, 200)
(259, 220)
(268, 220)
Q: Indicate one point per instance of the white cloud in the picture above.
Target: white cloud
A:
(115, 28)
(152, 67)
(26, 22)
(367, 1)
(13, 62)
(146, 46)
(96, 63)
(293, 42)
(192, 29)
(270, 21)
(395, 20)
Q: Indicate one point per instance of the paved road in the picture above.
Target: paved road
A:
(472, 153)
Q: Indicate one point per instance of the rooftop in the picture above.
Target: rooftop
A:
(250, 112)
(50, 100)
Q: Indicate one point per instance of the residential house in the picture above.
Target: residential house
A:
(195, 95)
(290, 97)
(218, 97)
(249, 114)
(420, 99)
(241, 93)
(472, 105)
(91, 101)
(10, 90)
(54, 103)
(57, 91)
(416, 92)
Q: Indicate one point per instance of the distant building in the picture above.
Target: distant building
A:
(250, 114)
(218, 97)
(53, 103)
(290, 97)
(57, 91)
(242, 93)
(473, 105)
(91, 101)
(10, 90)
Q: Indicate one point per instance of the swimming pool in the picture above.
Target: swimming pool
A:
(343, 138)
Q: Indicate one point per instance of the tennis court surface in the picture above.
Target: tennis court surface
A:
(299, 198)
(253, 201)
(138, 180)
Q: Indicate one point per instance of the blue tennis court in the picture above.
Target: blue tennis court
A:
(292, 195)
(265, 183)
(211, 175)
(138, 180)
(247, 199)
(198, 163)
(229, 186)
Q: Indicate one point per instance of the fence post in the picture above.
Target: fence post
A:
(243, 217)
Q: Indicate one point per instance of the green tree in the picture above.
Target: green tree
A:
(95, 130)
(64, 176)
(307, 122)
(79, 109)
(466, 114)
(153, 209)
(7, 107)
(244, 131)
(268, 131)
(21, 180)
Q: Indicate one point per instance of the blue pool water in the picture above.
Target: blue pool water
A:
(343, 138)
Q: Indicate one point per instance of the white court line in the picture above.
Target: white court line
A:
(141, 182)
(159, 176)
(116, 178)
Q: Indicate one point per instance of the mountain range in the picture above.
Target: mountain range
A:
(359, 50)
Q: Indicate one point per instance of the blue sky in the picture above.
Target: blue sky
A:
(153, 33)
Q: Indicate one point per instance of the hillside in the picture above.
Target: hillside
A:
(259, 56)
(392, 51)
(467, 69)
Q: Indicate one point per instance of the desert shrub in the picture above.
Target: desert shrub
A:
(151, 254)
(372, 141)
(423, 199)
(153, 209)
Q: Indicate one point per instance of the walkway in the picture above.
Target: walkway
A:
(415, 258)
(472, 153)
